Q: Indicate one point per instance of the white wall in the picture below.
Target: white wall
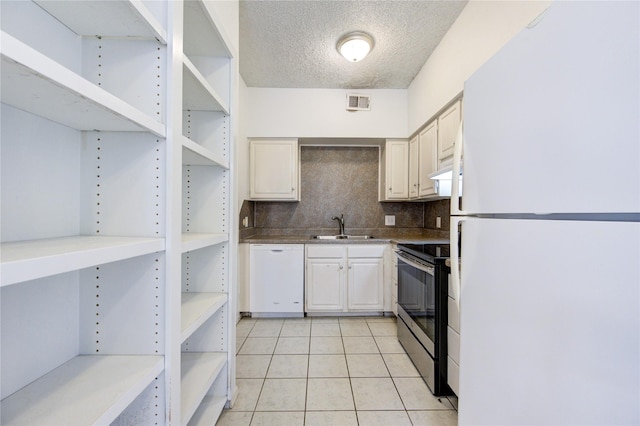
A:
(481, 30)
(322, 113)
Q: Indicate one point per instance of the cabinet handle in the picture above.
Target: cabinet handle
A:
(341, 267)
(293, 190)
(389, 188)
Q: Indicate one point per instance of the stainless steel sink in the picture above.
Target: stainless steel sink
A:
(342, 237)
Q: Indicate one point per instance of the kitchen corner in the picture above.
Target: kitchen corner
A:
(337, 183)
(340, 180)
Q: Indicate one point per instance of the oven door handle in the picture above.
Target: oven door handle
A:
(424, 268)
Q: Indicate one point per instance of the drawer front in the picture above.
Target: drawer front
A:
(365, 250)
(326, 251)
(453, 344)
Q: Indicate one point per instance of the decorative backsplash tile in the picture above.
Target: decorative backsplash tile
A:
(337, 181)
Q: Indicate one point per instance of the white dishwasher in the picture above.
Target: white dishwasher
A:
(276, 280)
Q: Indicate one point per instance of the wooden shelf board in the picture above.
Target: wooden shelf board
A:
(198, 308)
(196, 155)
(193, 241)
(198, 95)
(88, 389)
(209, 411)
(198, 372)
(115, 18)
(28, 260)
(35, 83)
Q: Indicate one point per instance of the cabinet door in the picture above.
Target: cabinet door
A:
(397, 175)
(413, 167)
(274, 169)
(448, 124)
(428, 156)
(366, 284)
(325, 285)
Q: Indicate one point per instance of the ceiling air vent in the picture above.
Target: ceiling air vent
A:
(358, 103)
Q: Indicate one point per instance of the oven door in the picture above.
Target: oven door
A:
(417, 298)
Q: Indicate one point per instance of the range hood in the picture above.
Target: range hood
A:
(443, 179)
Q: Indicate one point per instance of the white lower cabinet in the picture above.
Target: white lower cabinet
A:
(344, 278)
(394, 280)
(453, 342)
(325, 284)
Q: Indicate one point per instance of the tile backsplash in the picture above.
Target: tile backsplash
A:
(341, 181)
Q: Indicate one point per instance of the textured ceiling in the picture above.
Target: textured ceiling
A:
(292, 44)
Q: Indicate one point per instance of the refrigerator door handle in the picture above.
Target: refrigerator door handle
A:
(456, 285)
(455, 179)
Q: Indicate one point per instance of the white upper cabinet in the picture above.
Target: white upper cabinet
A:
(428, 159)
(395, 159)
(274, 171)
(448, 123)
(414, 167)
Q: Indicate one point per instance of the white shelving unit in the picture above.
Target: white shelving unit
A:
(207, 324)
(115, 212)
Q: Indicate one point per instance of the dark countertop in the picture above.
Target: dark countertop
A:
(306, 239)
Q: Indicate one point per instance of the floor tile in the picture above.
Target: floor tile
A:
(434, 417)
(326, 320)
(326, 345)
(331, 418)
(328, 366)
(295, 328)
(360, 345)
(400, 365)
(325, 329)
(381, 319)
(355, 328)
(329, 394)
(266, 328)
(352, 320)
(248, 393)
(282, 395)
(252, 366)
(383, 329)
(375, 394)
(389, 345)
(416, 395)
(366, 365)
(384, 418)
(244, 328)
(239, 343)
(281, 418)
(258, 346)
(292, 345)
(288, 366)
(235, 418)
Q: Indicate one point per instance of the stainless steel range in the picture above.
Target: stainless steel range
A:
(422, 310)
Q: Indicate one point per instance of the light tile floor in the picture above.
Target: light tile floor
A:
(338, 371)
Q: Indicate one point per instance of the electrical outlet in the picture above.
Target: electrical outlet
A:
(438, 222)
(390, 220)
(245, 221)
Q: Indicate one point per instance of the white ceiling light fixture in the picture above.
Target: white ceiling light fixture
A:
(355, 46)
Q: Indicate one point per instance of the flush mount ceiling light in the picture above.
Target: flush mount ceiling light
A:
(355, 46)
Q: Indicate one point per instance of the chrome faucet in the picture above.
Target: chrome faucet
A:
(340, 223)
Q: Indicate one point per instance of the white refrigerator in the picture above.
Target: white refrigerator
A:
(549, 278)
